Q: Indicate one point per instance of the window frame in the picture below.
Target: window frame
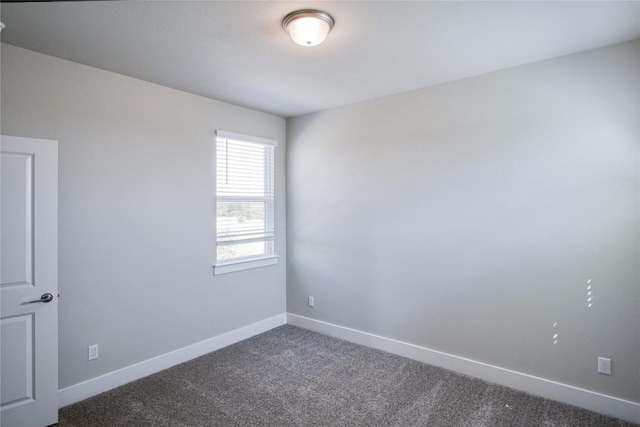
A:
(269, 257)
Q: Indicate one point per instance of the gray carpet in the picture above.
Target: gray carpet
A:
(293, 377)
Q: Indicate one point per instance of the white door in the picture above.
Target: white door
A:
(29, 272)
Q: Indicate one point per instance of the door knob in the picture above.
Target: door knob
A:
(44, 298)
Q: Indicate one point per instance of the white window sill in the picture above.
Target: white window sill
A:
(230, 267)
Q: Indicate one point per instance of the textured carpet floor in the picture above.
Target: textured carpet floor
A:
(293, 377)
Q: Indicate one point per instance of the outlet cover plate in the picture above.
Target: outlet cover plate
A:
(604, 366)
(93, 352)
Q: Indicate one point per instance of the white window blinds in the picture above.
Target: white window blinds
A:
(244, 197)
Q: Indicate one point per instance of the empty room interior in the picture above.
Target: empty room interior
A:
(407, 213)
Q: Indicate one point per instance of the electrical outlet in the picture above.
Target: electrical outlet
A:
(93, 352)
(604, 366)
(311, 302)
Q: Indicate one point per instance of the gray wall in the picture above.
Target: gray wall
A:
(136, 211)
(468, 217)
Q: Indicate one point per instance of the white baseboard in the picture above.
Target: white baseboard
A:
(111, 380)
(597, 402)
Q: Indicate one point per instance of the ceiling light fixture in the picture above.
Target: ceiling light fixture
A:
(308, 27)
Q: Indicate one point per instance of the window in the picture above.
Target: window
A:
(244, 202)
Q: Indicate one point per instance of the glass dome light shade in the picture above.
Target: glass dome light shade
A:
(308, 31)
(308, 27)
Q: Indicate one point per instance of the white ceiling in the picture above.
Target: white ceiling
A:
(236, 51)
